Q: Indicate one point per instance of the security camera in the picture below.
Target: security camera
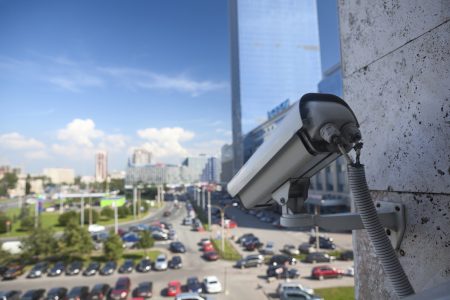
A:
(315, 131)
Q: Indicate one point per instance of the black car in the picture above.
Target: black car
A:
(100, 292)
(74, 268)
(10, 295)
(318, 257)
(244, 237)
(324, 242)
(13, 272)
(175, 262)
(92, 269)
(36, 294)
(282, 272)
(57, 269)
(58, 293)
(3, 269)
(282, 260)
(127, 266)
(177, 247)
(78, 293)
(108, 268)
(144, 290)
(38, 269)
(346, 255)
(144, 265)
(193, 285)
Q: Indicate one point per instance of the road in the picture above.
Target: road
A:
(239, 284)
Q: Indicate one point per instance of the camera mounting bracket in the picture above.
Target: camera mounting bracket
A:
(292, 195)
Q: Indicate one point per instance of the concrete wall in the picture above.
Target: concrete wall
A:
(396, 77)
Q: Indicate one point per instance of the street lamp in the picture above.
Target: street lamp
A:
(222, 217)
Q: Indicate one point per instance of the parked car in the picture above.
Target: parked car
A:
(290, 249)
(268, 249)
(212, 285)
(175, 262)
(307, 248)
(173, 288)
(252, 244)
(177, 247)
(293, 286)
(346, 255)
(191, 296)
(3, 269)
(144, 290)
(145, 265)
(296, 294)
(99, 292)
(243, 237)
(250, 261)
(159, 235)
(57, 269)
(204, 241)
(282, 272)
(321, 272)
(108, 268)
(211, 256)
(324, 242)
(230, 224)
(282, 259)
(161, 263)
(13, 272)
(312, 238)
(78, 293)
(167, 213)
(187, 221)
(74, 268)
(58, 293)
(92, 269)
(127, 266)
(319, 257)
(350, 271)
(38, 269)
(35, 294)
(193, 285)
(207, 247)
(10, 295)
(121, 289)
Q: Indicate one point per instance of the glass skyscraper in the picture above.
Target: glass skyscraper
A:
(274, 57)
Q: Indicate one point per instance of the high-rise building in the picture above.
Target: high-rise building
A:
(226, 157)
(60, 175)
(274, 57)
(101, 166)
(141, 157)
(211, 172)
(193, 167)
(153, 174)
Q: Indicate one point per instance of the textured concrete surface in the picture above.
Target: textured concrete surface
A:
(396, 73)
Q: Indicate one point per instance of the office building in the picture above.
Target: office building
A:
(60, 175)
(226, 157)
(274, 57)
(211, 172)
(193, 167)
(101, 166)
(141, 157)
(153, 174)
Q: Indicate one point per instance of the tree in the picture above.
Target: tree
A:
(117, 185)
(113, 247)
(8, 181)
(146, 241)
(41, 243)
(28, 185)
(67, 217)
(26, 223)
(4, 219)
(123, 211)
(107, 212)
(95, 216)
(76, 240)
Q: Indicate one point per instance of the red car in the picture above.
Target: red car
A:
(173, 288)
(207, 247)
(230, 224)
(321, 272)
(121, 289)
(211, 256)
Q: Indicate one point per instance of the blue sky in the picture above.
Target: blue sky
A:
(81, 76)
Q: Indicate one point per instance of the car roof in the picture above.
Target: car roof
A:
(286, 284)
(174, 282)
(211, 278)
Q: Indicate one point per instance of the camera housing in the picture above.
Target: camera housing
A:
(303, 144)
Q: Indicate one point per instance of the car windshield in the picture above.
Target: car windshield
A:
(75, 291)
(161, 259)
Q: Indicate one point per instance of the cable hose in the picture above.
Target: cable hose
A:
(377, 235)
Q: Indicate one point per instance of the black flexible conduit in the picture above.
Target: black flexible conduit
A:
(377, 235)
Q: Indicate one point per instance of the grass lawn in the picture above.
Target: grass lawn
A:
(337, 293)
(230, 252)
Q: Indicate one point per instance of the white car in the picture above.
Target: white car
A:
(350, 271)
(290, 249)
(212, 285)
(290, 286)
(161, 263)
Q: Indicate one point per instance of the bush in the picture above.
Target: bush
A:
(3, 220)
(123, 211)
(95, 216)
(107, 212)
(66, 217)
(27, 223)
(146, 241)
(113, 247)
(144, 206)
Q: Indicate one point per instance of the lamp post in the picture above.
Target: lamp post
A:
(222, 217)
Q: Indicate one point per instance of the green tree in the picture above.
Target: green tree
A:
(28, 185)
(146, 241)
(41, 243)
(67, 217)
(113, 247)
(76, 240)
(107, 212)
(3, 223)
(117, 185)
(27, 223)
(123, 211)
(8, 181)
(95, 216)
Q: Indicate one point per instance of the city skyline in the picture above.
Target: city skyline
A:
(69, 89)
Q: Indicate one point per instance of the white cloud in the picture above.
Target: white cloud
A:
(165, 143)
(39, 154)
(76, 82)
(224, 132)
(210, 148)
(80, 132)
(17, 141)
